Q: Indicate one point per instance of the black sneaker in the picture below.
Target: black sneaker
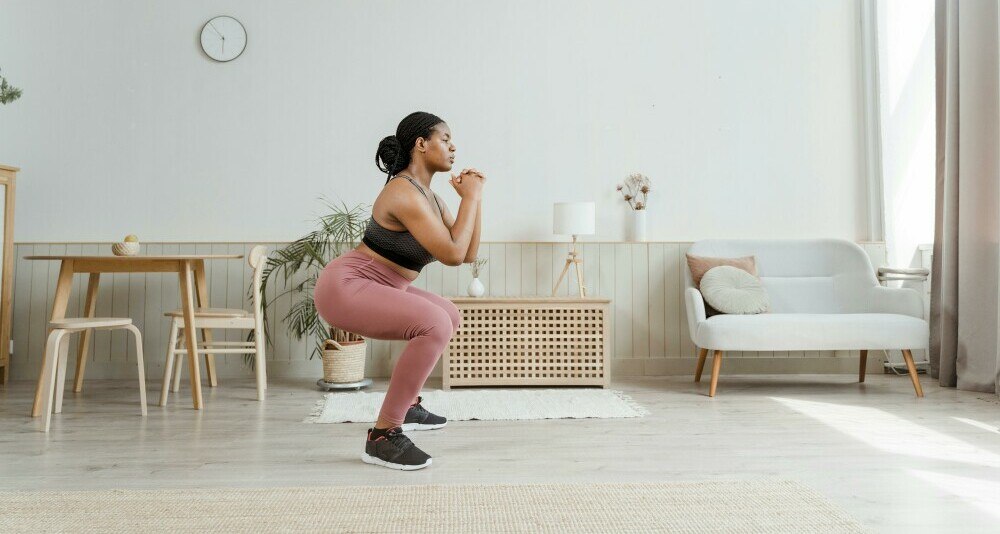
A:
(390, 448)
(418, 418)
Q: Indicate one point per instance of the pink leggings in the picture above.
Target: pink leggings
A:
(360, 295)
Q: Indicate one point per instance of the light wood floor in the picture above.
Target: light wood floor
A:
(894, 462)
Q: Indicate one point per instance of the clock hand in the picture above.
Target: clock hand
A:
(216, 30)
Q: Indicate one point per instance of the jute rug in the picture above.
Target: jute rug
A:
(485, 405)
(731, 506)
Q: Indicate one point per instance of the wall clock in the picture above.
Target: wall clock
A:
(223, 38)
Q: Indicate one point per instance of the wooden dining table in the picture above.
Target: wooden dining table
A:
(194, 293)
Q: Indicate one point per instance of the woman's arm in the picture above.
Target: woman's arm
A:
(449, 245)
(474, 243)
(449, 221)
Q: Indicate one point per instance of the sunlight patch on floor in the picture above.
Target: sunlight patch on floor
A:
(892, 433)
(983, 494)
(978, 424)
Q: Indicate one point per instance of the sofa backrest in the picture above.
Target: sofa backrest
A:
(802, 275)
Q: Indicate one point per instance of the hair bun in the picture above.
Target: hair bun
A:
(388, 154)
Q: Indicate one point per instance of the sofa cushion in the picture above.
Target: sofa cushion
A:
(699, 265)
(732, 290)
(812, 331)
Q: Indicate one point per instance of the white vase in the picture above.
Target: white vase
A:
(476, 288)
(638, 225)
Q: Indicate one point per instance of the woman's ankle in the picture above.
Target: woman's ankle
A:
(382, 424)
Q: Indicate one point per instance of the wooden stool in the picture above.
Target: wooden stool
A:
(54, 368)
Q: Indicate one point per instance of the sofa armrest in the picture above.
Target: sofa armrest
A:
(900, 300)
(695, 305)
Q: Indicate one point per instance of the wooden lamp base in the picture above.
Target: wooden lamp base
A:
(577, 264)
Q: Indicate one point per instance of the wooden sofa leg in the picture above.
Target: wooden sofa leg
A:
(716, 365)
(702, 354)
(863, 367)
(908, 356)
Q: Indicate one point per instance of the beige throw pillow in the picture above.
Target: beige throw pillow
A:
(700, 265)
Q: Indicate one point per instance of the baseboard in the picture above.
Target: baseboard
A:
(843, 363)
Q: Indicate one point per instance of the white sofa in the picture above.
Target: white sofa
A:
(824, 296)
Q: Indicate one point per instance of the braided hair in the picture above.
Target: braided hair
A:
(393, 154)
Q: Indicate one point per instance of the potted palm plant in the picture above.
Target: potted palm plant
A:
(339, 230)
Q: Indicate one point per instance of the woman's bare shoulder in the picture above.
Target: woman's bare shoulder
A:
(400, 189)
(397, 195)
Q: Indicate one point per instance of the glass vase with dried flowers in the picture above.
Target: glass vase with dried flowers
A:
(476, 288)
(635, 190)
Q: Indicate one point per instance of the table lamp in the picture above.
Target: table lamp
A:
(573, 218)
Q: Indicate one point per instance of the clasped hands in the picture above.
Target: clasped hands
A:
(468, 188)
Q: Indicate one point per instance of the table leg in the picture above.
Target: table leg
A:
(201, 286)
(84, 343)
(59, 303)
(190, 339)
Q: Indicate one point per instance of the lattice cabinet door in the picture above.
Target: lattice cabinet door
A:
(537, 341)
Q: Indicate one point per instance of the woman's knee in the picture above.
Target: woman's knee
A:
(454, 315)
(437, 326)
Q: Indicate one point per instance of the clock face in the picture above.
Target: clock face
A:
(223, 38)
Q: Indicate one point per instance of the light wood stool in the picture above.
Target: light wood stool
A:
(57, 349)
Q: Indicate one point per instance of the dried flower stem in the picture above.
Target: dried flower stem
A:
(477, 265)
(635, 185)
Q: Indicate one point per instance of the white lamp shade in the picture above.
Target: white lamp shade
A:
(573, 218)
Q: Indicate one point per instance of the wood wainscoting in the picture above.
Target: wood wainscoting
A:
(648, 335)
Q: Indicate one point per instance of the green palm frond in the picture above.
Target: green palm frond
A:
(301, 316)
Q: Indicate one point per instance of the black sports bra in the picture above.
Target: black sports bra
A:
(400, 247)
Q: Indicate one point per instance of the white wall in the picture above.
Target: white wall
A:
(746, 115)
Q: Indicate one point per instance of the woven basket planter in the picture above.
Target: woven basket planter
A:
(344, 362)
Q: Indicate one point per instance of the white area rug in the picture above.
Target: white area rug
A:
(688, 507)
(485, 405)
